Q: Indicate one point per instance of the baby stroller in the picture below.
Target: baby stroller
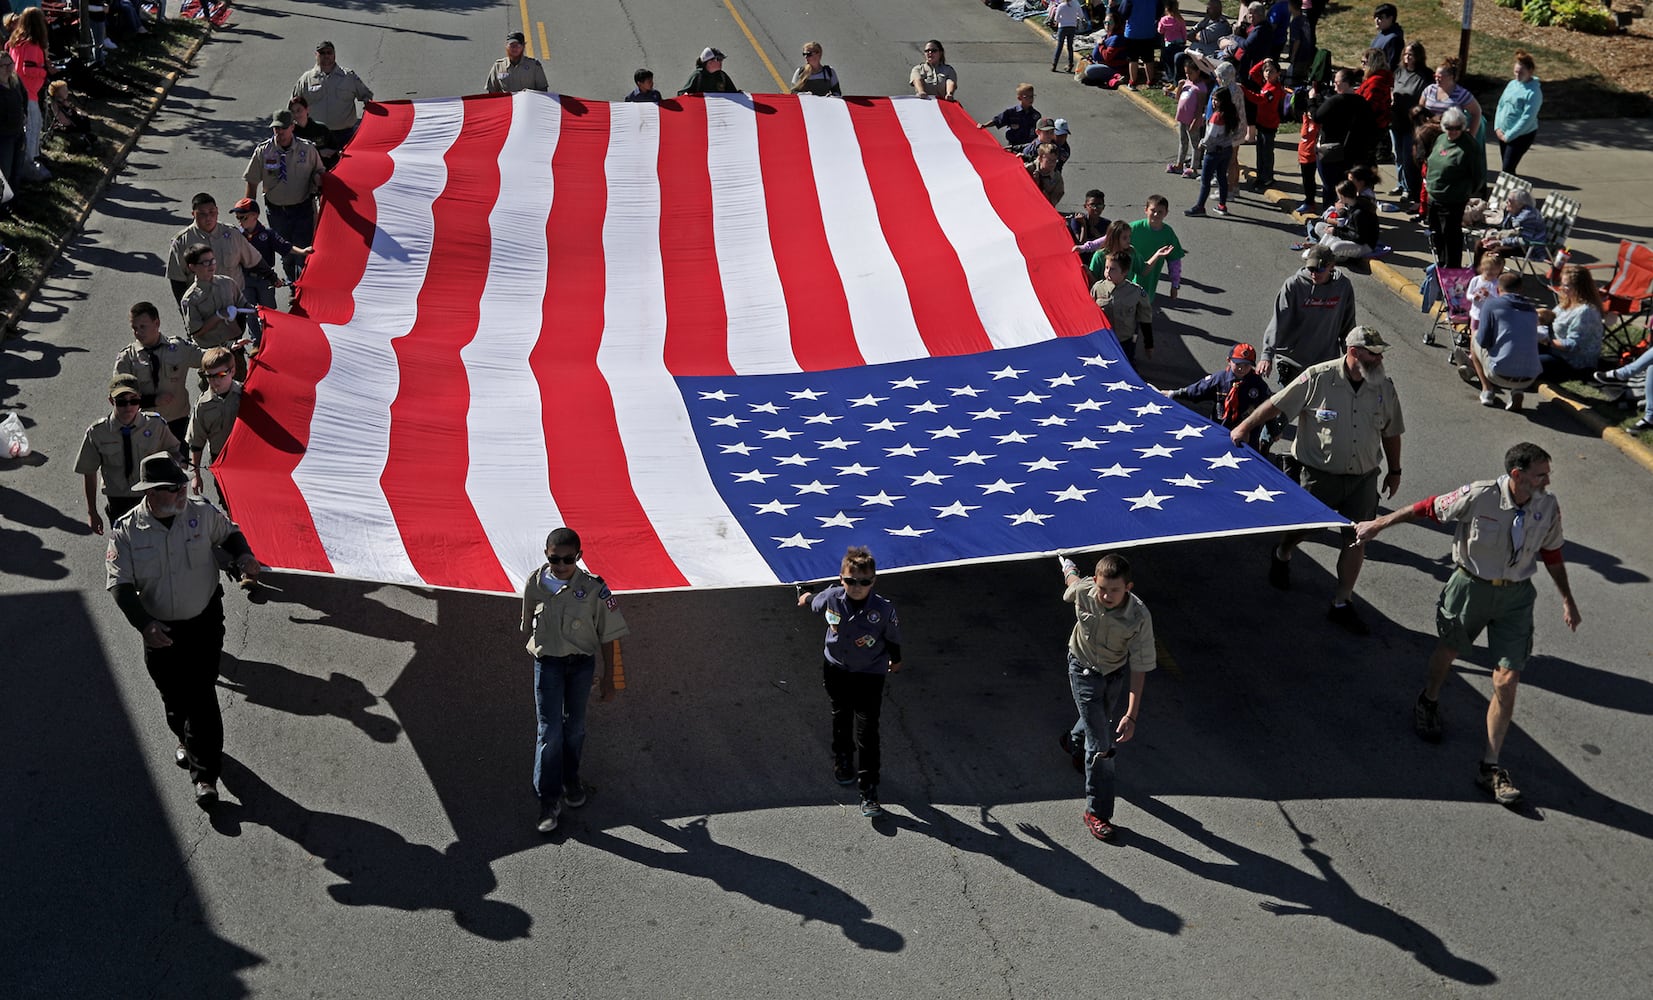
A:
(1446, 291)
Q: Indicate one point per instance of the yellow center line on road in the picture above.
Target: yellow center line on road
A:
(753, 41)
(545, 50)
(528, 49)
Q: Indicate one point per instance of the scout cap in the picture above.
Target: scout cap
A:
(326, 43)
(518, 37)
(1046, 124)
(1243, 352)
(709, 54)
(1319, 256)
(123, 383)
(282, 119)
(158, 471)
(1061, 126)
(244, 206)
(1365, 336)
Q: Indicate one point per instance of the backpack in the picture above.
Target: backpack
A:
(1320, 70)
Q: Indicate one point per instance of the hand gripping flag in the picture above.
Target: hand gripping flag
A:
(722, 338)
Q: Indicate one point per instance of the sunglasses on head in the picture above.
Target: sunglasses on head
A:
(562, 560)
(856, 581)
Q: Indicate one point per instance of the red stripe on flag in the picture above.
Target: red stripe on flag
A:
(697, 324)
(349, 216)
(271, 433)
(588, 468)
(428, 452)
(1055, 271)
(936, 284)
(823, 336)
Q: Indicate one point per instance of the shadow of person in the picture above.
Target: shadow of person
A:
(24, 553)
(272, 685)
(1049, 864)
(378, 866)
(768, 881)
(1298, 893)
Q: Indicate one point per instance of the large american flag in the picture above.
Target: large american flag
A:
(722, 338)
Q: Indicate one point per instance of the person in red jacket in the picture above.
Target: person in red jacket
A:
(1266, 92)
(1378, 86)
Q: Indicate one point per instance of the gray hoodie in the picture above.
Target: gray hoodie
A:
(1310, 320)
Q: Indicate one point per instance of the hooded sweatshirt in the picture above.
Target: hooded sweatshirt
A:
(1310, 320)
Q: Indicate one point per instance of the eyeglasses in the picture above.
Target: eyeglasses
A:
(932, 52)
(207, 262)
(1452, 128)
(218, 374)
(128, 401)
(856, 581)
(562, 560)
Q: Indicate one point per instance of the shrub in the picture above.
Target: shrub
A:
(1512, 4)
(1539, 12)
(1586, 16)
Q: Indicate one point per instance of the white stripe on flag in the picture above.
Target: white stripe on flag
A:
(759, 334)
(879, 309)
(993, 264)
(508, 479)
(668, 475)
(350, 432)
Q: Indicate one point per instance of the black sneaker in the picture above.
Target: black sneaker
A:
(1610, 378)
(843, 771)
(1279, 571)
(548, 819)
(870, 807)
(1426, 718)
(1344, 617)
(1497, 783)
(206, 794)
(576, 795)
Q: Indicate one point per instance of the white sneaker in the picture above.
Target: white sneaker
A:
(548, 820)
(1488, 398)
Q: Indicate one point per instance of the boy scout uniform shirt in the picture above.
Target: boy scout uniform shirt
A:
(1483, 514)
(1107, 640)
(173, 567)
(103, 450)
(332, 96)
(1340, 428)
(202, 302)
(527, 74)
(174, 361)
(857, 638)
(265, 167)
(1125, 305)
(575, 620)
(229, 248)
(212, 419)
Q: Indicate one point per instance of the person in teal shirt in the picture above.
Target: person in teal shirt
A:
(1516, 121)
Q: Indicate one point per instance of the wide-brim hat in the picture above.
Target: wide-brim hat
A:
(159, 471)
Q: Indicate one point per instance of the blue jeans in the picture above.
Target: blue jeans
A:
(1401, 140)
(1215, 166)
(1641, 364)
(562, 687)
(1096, 695)
(1064, 36)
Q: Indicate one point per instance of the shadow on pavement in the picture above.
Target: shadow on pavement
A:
(99, 897)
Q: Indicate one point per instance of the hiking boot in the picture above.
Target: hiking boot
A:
(576, 795)
(181, 757)
(548, 819)
(1279, 571)
(1344, 617)
(1497, 783)
(1100, 828)
(843, 771)
(1426, 718)
(206, 793)
(870, 807)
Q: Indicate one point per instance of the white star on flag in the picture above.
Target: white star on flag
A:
(1187, 479)
(928, 478)
(823, 418)
(1052, 421)
(974, 458)
(784, 433)
(909, 531)
(1028, 517)
(1260, 493)
(794, 459)
(1062, 379)
(868, 400)
(886, 425)
(909, 383)
(773, 507)
(1121, 427)
(836, 443)
(928, 406)
(955, 509)
(855, 470)
(1014, 437)
(945, 432)
(741, 448)
(1121, 386)
(1088, 405)
(1157, 451)
(730, 421)
(809, 394)
(965, 390)
(816, 487)
(1071, 493)
(719, 395)
(1147, 408)
(1045, 463)
(754, 476)
(797, 541)
(1116, 470)
(1227, 461)
(766, 408)
(987, 414)
(1085, 443)
(1148, 499)
(905, 450)
(838, 520)
(1097, 361)
(880, 499)
(1000, 487)
(1029, 397)
(1190, 431)
(1008, 372)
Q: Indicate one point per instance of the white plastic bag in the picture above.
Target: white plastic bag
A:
(11, 432)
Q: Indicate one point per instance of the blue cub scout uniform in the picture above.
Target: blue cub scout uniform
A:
(858, 632)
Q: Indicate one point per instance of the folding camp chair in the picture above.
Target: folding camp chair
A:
(1559, 213)
(1452, 309)
(1626, 297)
(1506, 185)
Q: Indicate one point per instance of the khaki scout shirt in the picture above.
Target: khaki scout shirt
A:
(229, 248)
(1483, 513)
(202, 302)
(332, 96)
(1339, 428)
(213, 418)
(527, 74)
(102, 450)
(577, 619)
(173, 567)
(177, 360)
(303, 164)
(1107, 640)
(933, 78)
(1126, 305)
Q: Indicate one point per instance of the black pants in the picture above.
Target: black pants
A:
(114, 507)
(185, 673)
(1265, 155)
(1510, 153)
(1446, 231)
(856, 701)
(1311, 183)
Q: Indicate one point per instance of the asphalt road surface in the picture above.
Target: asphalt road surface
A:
(1283, 831)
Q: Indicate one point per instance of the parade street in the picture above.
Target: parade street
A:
(1282, 830)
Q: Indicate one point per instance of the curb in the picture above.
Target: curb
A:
(1407, 289)
(115, 164)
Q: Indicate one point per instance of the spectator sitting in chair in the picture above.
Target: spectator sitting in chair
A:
(67, 118)
(1570, 335)
(1504, 351)
(1522, 227)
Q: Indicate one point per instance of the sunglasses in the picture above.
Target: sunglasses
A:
(168, 489)
(562, 560)
(218, 374)
(856, 581)
(932, 52)
(128, 401)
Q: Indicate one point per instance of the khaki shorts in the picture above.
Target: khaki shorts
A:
(1513, 385)
(1353, 496)
(1467, 606)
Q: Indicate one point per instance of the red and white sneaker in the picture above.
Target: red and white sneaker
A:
(1100, 828)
